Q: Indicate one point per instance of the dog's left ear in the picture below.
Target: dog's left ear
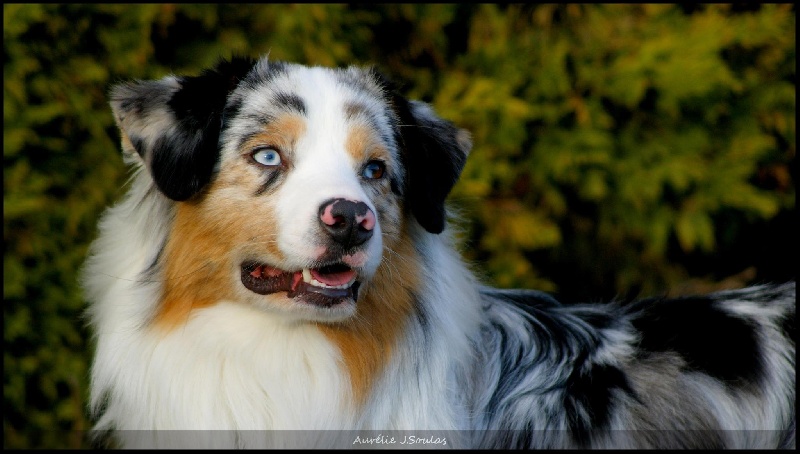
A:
(434, 152)
(174, 124)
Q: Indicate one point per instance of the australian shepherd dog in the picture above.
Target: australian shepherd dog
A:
(280, 273)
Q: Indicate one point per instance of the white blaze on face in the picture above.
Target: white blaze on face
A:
(321, 169)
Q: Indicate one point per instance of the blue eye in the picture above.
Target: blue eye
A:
(267, 157)
(374, 170)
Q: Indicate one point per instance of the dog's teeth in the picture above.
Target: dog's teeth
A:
(317, 283)
(308, 279)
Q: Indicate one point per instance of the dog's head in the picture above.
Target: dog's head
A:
(290, 181)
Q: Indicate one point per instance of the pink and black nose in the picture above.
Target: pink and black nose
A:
(349, 223)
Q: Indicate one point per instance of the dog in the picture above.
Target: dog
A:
(280, 274)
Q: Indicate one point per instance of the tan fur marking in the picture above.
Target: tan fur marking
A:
(195, 274)
(366, 341)
(199, 257)
(198, 254)
(282, 133)
(361, 143)
(127, 146)
(233, 204)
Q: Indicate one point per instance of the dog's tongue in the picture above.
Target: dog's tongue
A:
(333, 278)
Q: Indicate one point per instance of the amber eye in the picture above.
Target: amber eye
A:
(267, 157)
(374, 170)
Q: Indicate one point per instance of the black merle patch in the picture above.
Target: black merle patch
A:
(183, 161)
(433, 162)
(272, 177)
(182, 155)
(709, 339)
(592, 391)
(290, 102)
(560, 332)
(431, 155)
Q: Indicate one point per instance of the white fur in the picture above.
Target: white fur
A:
(235, 368)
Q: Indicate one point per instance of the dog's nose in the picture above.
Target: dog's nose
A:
(349, 223)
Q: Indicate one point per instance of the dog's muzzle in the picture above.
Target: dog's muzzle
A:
(333, 279)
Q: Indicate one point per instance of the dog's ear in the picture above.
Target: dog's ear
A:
(434, 152)
(174, 124)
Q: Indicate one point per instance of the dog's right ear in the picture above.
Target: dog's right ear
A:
(174, 124)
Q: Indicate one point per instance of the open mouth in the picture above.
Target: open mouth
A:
(325, 286)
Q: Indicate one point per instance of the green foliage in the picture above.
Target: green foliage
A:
(617, 147)
(635, 126)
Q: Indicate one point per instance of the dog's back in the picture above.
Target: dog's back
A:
(715, 371)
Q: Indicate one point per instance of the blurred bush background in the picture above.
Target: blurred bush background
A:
(620, 150)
